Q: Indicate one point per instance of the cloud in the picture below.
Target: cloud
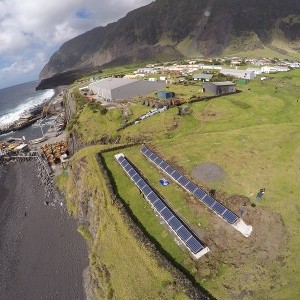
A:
(29, 28)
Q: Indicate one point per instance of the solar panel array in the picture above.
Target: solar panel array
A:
(190, 240)
(217, 207)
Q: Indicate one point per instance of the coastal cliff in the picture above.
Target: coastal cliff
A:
(171, 29)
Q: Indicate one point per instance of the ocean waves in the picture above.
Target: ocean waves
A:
(25, 106)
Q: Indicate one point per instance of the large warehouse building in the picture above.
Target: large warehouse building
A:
(120, 88)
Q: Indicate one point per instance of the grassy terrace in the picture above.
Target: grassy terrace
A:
(254, 137)
(122, 267)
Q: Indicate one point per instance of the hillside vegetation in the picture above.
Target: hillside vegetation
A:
(171, 29)
(254, 137)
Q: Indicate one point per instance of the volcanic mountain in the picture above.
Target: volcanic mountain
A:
(173, 29)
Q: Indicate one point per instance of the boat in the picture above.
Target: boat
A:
(37, 141)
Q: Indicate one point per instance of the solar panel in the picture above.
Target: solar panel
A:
(124, 163)
(183, 233)
(152, 197)
(208, 200)
(230, 217)
(194, 245)
(159, 205)
(128, 167)
(218, 208)
(152, 156)
(191, 187)
(166, 214)
(144, 150)
(136, 177)
(158, 160)
(176, 175)
(169, 170)
(199, 193)
(174, 223)
(183, 181)
(132, 172)
(146, 189)
(141, 183)
(121, 158)
(163, 165)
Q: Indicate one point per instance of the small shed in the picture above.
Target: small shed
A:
(202, 77)
(219, 88)
(165, 94)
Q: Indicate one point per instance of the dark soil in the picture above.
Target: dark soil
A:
(208, 172)
(42, 256)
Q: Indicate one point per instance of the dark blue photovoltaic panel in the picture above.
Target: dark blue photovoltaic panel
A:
(136, 177)
(163, 165)
(169, 170)
(166, 214)
(159, 205)
(141, 183)
(183, 181)
(218, 208)
(144, 150)
(176, 175)
(146, 190)
(128, 167)
(132, 172)
(194, 245)
(208, 200)
(158, 160)
(175, 223)
(124, 163)
(183, 233)
(152, 156)
(152, 197)
(230, 217)
(199, 193)
(121, 158)
(191, 187)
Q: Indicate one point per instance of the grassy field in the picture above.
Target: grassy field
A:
(121, 266)
(254, 137)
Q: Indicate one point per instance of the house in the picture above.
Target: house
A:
(219, 88)
(243, 74)
(202, 77)
(268, 69)
(257, 71)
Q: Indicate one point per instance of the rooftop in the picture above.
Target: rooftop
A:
(113, 83)
(223, 83)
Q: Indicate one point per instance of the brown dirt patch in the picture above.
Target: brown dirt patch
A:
(208, 172)
(230, 248)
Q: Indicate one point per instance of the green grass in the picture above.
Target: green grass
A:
(122, 267)
(254, 137)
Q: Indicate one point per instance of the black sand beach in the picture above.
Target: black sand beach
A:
(41, 254)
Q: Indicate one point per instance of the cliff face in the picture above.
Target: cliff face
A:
(170, 29)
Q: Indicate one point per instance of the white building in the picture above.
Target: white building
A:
(120, 88)
(257, 71)
(243, 74)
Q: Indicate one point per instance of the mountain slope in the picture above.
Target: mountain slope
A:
(175, 28)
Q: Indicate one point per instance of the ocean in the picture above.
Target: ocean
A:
(18, 100)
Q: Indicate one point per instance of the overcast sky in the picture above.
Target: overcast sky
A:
(31, 30)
